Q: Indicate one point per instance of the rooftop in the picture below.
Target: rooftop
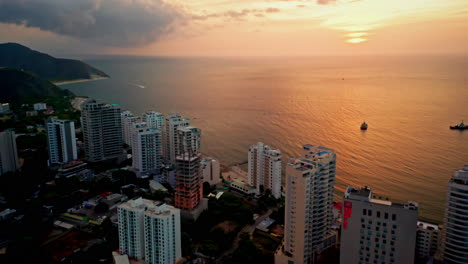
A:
(461, 176)
(428, 226)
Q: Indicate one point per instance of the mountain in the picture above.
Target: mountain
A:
(16, 56)
(18, 85)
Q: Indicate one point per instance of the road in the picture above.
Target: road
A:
(247, 229)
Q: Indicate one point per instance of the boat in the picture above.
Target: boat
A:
(364, 126)
(460, 126)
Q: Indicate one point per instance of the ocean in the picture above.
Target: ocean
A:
(408, 152)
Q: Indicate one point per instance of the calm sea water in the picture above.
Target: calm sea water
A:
(408, 153)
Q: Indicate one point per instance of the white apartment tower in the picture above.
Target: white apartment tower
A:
(8, 152)
(427, 240)
(455, 238)
(377, 231)
(61, 141)
(149, 230)
(162, 229)
(128, 121)
(211, 171)
(102, 130)
(309, 199)
(154, 119)
(264, 170)
(171, 137)
(146, 149)
(189, 140)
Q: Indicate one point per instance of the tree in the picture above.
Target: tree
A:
(206, 188)
(101, 208)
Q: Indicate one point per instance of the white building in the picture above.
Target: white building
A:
(455, 238)
(162, 229)
(189, 140)
(211, 171)
(8, 152)
(309, 202)
(128, 121)
(40, 106)
(61, 140)
(377, 231)
(102, 130)
(427, 240)
(4, 108)
(171, 137)
(146, 149)
(264, 170)
(149, 230)
(154, 119)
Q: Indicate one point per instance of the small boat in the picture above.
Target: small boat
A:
(364, 126)
(460, 126)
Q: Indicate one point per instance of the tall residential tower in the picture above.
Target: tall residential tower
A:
(149, 230)
(61, 141)
(146, 149)
(455, 238)
(264, 171)
(171, 137)
(309, 200)
(8, 152)
(102, 130)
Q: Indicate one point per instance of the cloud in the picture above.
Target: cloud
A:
(237, 15)
(272, 10)
(325, 2)
(109, 22)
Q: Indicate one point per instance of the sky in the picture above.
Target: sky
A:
(237, 27)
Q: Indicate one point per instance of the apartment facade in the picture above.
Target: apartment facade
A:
(455, 238)
(153, 119)
(171, 137)
(427, 240)
(264, 168)
(61, 141)
(9, 161)
(102, 130)
(377, 231)
(189, 140)
(211, 171)
(149, 230)
(189, 178)
(146, 149)
(309, 200)
(128, 121)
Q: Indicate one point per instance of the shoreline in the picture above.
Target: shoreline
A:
(80, 80)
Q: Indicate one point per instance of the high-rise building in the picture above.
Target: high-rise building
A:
(146, 149)
(61, 141)
(455, 238)
(211, 171)
(189, 140)
(154, 119)
(377, 231)
(8, 152)
(149, 230)
(102, 130)
(162, 229)
(128, 121)
(264, 171)
(171, 137)
(309, 201)
(427, 240)
(189, 178)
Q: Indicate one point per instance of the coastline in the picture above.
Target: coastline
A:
(80, 80)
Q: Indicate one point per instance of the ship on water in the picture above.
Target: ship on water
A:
(364, 126)
(460, 126)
